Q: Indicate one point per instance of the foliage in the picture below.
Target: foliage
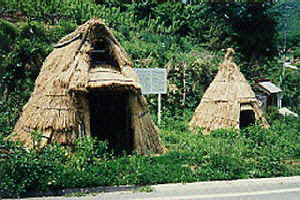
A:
(224, 155)
(173, 35)
(185, 39)
(8, 33)
(146, 188)
(291, 87)
(185, 64)
(297, 51)
(10, 109)
(272, 114)
(21, 64)
(253, 27)
(288, 24)
(24, 171)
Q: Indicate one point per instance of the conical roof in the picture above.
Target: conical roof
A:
(226, 96)
(88, 59)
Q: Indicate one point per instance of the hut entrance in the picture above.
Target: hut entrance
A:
(110, 119)
(247, 116)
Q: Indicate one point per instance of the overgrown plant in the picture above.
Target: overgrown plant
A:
(188, 43)
(224, 155)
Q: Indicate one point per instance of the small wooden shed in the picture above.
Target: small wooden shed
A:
(267, 93)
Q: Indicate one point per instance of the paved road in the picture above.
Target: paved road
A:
(287, 188)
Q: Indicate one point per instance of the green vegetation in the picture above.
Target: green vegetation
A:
(288, 19)
(146, 188)
(224, 155)
(188, 41)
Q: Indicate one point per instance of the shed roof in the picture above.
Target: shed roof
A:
(269, 87)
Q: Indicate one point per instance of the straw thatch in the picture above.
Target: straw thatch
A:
(59, 108)
(227, 96)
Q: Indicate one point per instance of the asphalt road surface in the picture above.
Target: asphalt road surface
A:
(287, 188)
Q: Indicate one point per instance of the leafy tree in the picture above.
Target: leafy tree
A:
(253, 27)
(28, 49)
(288, 24)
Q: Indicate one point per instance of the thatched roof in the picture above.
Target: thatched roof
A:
(70, 70)
(227, 95)
(84, 77)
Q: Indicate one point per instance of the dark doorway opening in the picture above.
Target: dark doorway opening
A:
(110, 120)
(247, 117)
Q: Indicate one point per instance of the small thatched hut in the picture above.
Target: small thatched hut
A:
(228, 102)
(87, 87)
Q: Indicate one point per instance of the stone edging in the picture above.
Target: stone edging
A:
(67, 191)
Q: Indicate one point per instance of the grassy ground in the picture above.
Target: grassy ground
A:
(224, 155)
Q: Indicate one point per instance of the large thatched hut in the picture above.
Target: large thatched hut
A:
(87, 87)
(229, 101)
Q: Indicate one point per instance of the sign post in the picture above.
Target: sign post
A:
(159, 109)
(153, 81)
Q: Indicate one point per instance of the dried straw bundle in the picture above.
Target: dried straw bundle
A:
(58, 106)
(222, 102)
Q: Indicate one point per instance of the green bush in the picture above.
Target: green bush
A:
(8, 33)
(188, 44)
(224, 155)
(54, 167)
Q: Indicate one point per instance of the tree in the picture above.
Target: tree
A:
(253, 27)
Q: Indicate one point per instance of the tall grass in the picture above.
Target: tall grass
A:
(253, 152)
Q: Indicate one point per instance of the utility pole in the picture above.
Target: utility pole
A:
(279, 100)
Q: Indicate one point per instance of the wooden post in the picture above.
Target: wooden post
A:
(85, 114)
(127, 120)
(159, 109)
(184, 85)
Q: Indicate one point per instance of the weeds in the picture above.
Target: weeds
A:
(146, 189)
(224, 155)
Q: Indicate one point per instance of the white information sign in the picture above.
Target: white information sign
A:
(153, 81)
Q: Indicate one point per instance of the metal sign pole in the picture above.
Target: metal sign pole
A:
(159, 109)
